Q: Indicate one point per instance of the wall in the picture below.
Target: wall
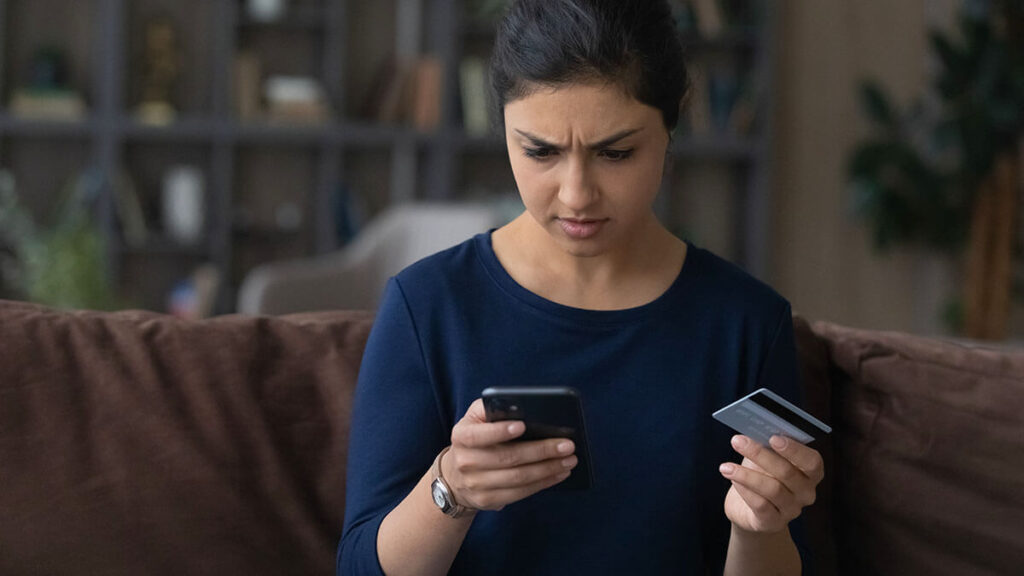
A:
(822, 258)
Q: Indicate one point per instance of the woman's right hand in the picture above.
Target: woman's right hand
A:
(488, 472)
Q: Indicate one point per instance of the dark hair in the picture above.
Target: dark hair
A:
(551, 43)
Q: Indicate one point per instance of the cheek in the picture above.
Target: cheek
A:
(635, 186)
(531, 180)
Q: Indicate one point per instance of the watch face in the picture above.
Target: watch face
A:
(438, 493)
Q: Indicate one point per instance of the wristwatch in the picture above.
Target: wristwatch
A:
(442, 493)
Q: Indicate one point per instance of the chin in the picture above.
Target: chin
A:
(579, 248)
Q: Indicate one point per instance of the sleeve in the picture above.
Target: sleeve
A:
(396, 431)
(780, 373)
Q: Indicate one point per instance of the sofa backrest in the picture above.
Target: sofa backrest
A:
(135, 443)
(132, 443)
(925, 467)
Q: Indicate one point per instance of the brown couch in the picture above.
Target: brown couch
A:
(133, 443)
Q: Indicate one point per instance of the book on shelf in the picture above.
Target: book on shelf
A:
(392, 101)
(130, 214)
(698, 104)
(63, 105)
(473, 89)
(710, 20)
(248, 73)
(723, 92)
(426, 94)
(407, 90)
(745, 110)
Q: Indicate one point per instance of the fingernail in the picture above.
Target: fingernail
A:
(569, 462)
(563, 476)
(739, 442)
(779, 442)
(726, 469)
(565, 447)
(515, 427)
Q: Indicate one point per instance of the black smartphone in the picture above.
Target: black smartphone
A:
(548, 412)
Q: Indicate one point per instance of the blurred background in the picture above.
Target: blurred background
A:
(864, 158)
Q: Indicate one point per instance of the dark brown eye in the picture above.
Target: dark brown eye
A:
(538, 153)
(616, 155)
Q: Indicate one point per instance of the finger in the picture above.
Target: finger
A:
(766, 512)
(473, 434)
(520, 476)
(513, 454)
(771, 463)
(476, 412)
(497, 499)
(763, 485)
(805, 458)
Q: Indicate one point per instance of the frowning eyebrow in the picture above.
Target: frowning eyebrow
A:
(541, 143)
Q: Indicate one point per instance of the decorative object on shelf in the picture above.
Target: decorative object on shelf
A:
(948, 172)
(295, 99)
(248, 74)
(266, 10)
(161, 70)
(193, 298)
(184, 204)
(723, 93)
(473, 87)
(686, 19)
(48, 94)
(288, 217)
(62, 265)
(349, 214)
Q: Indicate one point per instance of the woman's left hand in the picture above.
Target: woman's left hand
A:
(773, 485)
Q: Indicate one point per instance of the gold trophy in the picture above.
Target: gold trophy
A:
(160, 73)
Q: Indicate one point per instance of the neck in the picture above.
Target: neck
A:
(590, 278)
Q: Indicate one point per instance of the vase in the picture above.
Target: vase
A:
(266, 10)
(184, 204)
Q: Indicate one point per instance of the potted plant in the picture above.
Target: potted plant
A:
(946, 172)
(62, 265)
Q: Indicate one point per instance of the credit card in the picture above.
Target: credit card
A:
(763, 414)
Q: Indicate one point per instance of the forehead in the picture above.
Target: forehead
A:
(592, 106)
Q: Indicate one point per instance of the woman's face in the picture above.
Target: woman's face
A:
(588, 160)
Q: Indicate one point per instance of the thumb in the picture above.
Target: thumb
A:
(475, 413)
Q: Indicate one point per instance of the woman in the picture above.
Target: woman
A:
(584, 289)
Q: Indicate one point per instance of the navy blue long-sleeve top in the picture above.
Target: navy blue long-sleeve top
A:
(649, 378)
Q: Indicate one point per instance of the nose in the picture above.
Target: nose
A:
(576, 190)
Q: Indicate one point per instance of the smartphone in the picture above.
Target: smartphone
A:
(763, 414)
(548, 412)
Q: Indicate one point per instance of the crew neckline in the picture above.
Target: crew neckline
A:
(505, 281)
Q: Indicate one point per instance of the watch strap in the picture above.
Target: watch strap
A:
(456, 510)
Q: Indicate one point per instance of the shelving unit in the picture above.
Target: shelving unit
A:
(253, 168)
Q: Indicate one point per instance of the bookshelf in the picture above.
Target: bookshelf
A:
(272, 188)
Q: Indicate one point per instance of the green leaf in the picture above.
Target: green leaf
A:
(869, 158)
(876, 105)
(952, 60)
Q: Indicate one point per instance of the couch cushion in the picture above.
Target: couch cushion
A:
(929, 448)
(134, 443)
